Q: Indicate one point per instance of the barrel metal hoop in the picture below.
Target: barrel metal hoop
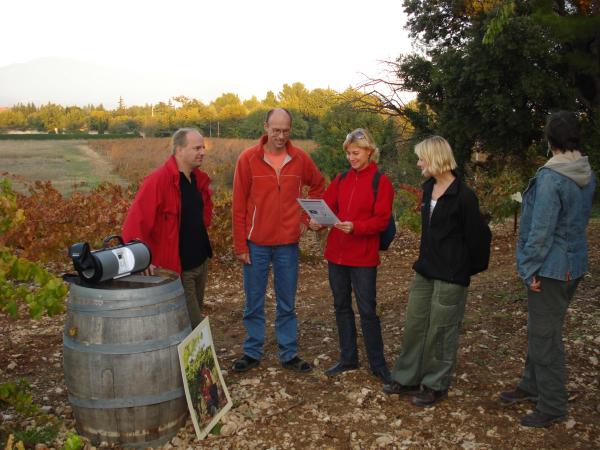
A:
(126, 349)
(128, 312)
(118, 304)
(102, 294)
(126, 402)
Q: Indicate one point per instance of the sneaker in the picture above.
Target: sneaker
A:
(397, 388)
(428, 397)
(339, 367)
(244, 364)
(539, 419)
(517, 396)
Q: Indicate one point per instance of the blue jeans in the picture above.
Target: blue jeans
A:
(284, 259)
(342, 280)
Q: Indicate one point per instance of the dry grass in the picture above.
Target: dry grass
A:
(133, 159)
(69, 165)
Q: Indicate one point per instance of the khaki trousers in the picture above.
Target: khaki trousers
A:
(194, 283)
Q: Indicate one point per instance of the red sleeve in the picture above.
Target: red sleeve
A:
(241, 190)
(142, 213)
(381, 211)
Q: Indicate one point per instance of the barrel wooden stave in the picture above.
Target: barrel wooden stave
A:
(121, 362)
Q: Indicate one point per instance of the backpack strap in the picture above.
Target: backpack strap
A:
(375, 184)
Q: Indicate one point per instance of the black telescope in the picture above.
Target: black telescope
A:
(109, 262)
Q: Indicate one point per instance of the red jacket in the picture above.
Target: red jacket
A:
(351, 199)
(264, 208)
(155, 214)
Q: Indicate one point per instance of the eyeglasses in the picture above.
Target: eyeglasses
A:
(355, 136)
(277, 131)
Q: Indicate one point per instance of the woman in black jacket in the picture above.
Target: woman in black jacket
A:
(455, 243)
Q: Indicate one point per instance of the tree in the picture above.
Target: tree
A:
(99, 120)
(270, 100)
(294, 96)
(332, 131)
(491, 73)
(52, 117)
(75, 119)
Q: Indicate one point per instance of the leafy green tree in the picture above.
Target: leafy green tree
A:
(12, 120)
(252, 103)
(76, 119)
(332, 132)
(270, 100)
(99, 120)
(253, 125)
(493, 70)
(52, 117)
(294, 96)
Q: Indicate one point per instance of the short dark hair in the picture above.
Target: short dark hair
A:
(271, 111)
(562, 131)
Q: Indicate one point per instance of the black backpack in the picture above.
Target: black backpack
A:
(386, 236)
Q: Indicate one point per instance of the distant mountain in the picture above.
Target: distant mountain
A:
(72, 82)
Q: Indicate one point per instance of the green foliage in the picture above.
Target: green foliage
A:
(407, 206)
(20, 279)
(16, 394)
(73, 442)
(44, 434)
(195, 356)
(493, 70)
(495, 183)
(332, 131)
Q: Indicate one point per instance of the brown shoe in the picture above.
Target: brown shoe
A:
(518, 396)
(428, 397)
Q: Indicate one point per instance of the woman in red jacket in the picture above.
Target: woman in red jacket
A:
(352, 251)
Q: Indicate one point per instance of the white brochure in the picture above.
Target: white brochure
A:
(318, 210)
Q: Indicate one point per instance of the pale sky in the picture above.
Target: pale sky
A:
(205, 48)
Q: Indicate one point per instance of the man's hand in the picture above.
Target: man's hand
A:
(244, 257)
(346, 227)
(149, 270)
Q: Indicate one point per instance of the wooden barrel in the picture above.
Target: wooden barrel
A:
(120, 359)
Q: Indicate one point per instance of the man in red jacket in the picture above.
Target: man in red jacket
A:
(171, 213)
(267, 224)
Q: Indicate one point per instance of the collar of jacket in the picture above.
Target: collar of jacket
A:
(452, 189)
(171, 166)
(289, 147)
(367, 171)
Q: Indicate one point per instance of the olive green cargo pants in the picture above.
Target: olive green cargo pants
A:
(433, 317)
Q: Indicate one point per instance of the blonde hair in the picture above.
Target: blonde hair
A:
(437, 154)
(361, 138)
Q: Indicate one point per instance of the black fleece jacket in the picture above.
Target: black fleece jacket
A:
(455, 242)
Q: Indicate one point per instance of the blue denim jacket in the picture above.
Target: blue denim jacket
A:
(554, 216)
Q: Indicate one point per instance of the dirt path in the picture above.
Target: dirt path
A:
(276, 409)
(102, 168)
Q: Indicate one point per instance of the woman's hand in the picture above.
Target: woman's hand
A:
(346, 227)
(315, 226)
(536, 285)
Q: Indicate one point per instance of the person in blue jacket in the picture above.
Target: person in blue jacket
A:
(552, 257)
